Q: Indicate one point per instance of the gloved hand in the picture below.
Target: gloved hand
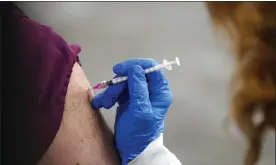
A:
(143, 103)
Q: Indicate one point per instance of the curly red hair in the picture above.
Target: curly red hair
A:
(252, 29)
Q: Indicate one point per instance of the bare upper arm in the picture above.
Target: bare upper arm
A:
(83, 137)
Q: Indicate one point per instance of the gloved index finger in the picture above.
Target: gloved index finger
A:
(137, 86)
(155, 79)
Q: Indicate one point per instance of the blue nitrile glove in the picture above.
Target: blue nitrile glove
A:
(143, 102)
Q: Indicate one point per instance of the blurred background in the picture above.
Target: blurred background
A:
(111, 32)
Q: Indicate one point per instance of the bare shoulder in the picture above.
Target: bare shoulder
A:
(83, 137)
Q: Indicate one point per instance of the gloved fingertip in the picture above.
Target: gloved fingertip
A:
(117, 69)
(123, 67)
(96, 102)
(108, 104)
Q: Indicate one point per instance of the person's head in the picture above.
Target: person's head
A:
(251, 27)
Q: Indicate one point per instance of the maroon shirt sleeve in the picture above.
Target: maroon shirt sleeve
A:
(45, 63)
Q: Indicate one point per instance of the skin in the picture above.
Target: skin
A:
(83, 137)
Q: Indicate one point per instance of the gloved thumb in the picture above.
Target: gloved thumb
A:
(109, 97)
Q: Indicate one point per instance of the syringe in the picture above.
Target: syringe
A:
(165, 64)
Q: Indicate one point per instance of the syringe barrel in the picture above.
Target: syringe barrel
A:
(165, 64)
(152, 69)
(119, 79)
